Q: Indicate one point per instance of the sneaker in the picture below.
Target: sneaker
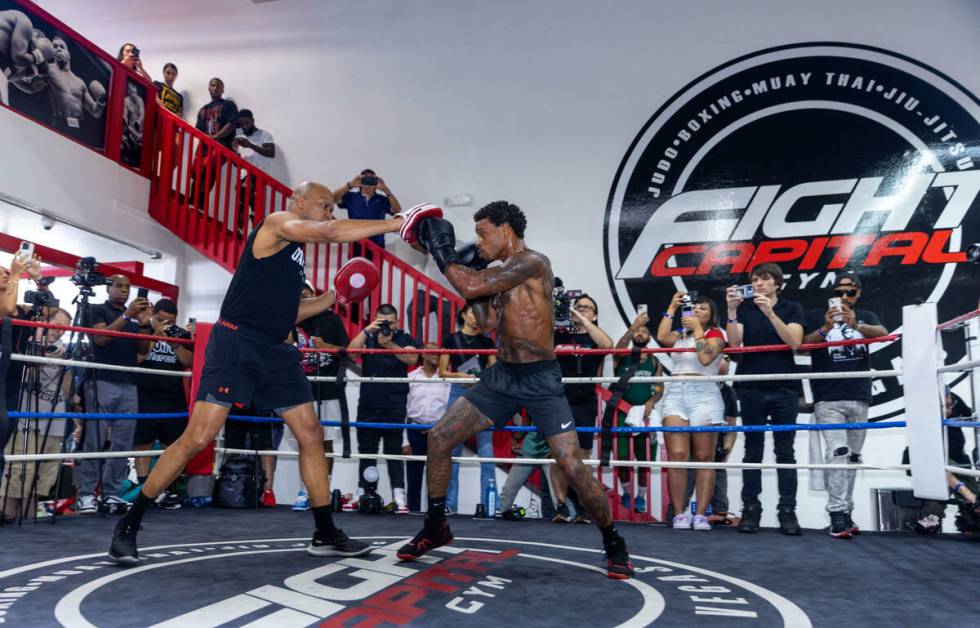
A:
(115, 505)
(302, 501)
(930, 524)
(86, 505)
(701, 523)
(681, 522)
(337, 544)
(169, 500)
(402, 509)
(625, 501)
(123, 550)
(268, 499)
(855, 530)
(514, 513)
(200, 501)
(561, 514)
(427, 539)
(348, 503)
(788, 524)
(839, 529)
(641, 504)
(751, 515)
(618, 565)
(582, 519)
(450, 510)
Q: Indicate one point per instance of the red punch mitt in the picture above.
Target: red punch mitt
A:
(409, 231)
(355, 280)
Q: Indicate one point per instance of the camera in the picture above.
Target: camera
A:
(41, 298)
(175, 331)
(369, 180)
(563, 304)
(86, 276)
(745, 291)
(370, 503)
(385, 328)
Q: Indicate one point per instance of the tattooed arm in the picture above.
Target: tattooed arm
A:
(473, 284)
(708, 349)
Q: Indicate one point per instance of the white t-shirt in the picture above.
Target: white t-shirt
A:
(259, 137)
(426, 402)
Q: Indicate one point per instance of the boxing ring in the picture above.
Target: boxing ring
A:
(211, 567)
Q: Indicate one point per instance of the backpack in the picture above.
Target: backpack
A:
(240, 483)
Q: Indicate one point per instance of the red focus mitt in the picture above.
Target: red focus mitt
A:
(355, 280)
(409, 231)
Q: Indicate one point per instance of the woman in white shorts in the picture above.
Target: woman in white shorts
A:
(692, 403)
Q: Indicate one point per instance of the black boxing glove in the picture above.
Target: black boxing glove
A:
(439, 238)
(469, 256)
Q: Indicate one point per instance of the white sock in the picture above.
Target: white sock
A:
(399, 494)
(627, 488)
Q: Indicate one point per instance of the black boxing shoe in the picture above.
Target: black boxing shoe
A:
(428, 539)
(123, 549)
(618, 565)
(336, 544)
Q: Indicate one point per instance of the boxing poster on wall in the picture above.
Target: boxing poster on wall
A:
(134, 115)
(50, 78)
(822, 158)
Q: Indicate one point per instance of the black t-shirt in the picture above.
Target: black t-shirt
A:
(954, 435)
(119, 351)
(163, 357)
(330, 328)
(578, 366)
(845, 359)
(378, 365)
(757, 330)
(459, 340)
(20, 337)
(216, 114)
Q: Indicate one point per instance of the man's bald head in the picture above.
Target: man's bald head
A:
(119, 289)
(312, 201)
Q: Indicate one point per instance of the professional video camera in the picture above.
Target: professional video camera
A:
(42, 297)
(86, 276)
(564, 299)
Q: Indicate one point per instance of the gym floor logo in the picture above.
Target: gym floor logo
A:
(272, 582)
(822, 157)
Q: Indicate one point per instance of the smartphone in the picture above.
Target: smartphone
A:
(641, 308)
(26, 251)
(687, 311)
(142, 293)
(192, 321)
(835, 302)
(746, 291)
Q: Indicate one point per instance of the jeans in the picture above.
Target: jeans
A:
(484, 449)
(110, 397)
(778, 406)
(841, 447)
(369, 438)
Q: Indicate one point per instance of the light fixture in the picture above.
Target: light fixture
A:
(458, 200)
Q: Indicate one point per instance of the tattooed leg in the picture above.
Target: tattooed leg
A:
(460, 422)
(564, 448)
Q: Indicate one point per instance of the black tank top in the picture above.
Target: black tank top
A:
(264, 293)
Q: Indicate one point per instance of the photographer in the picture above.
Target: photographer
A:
(763, 317)
(360, 197)
(583, 332)
(111, 391)
(384, 403)
(162, 393)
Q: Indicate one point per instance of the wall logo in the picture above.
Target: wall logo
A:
(821, 157)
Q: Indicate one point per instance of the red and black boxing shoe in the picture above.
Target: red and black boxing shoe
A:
(409, 231)
(428, 539)
(618, 564)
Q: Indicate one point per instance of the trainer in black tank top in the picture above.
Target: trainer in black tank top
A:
(264, 293)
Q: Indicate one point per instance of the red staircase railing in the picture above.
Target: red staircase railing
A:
(205, 193)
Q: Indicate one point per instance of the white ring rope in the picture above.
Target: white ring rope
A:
(40, 359)
(959, 366)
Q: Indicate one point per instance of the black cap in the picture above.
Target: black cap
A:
(854, 279)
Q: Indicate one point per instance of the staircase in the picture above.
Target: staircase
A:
(211, 198)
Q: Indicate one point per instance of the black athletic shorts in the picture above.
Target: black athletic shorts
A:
(164, 430)
(585, 412)
(505, 388)
(243, 366)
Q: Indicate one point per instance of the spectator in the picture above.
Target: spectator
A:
(426, 405)
(840, 401)
(642, 397)
(692, 404)
(585, 334)
(322, 331)
(361, 199)
(111, 391)
(217, 119)
(461, 365)
(532, 447)
(167, 95)
(383, 403)
(42, 436)
(257, 147)
(161, 393)
(768, 319)
(129, 56)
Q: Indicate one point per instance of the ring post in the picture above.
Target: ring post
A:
(202, 463)
(923, 401)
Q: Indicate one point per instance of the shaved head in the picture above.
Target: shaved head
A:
(312, 201)
(307, 189)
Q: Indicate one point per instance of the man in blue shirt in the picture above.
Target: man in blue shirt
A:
(361, 199)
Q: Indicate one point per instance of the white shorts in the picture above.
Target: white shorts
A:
(329, 411)
(698, 403)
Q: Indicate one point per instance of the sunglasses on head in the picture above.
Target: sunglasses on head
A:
(849, 292)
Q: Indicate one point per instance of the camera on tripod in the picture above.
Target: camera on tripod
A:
(42, 297)
(86, 276)
(564, 299)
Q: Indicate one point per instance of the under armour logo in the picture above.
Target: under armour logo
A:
(564, 426)
(224, 390)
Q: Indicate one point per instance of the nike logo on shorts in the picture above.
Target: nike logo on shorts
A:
(565, 425)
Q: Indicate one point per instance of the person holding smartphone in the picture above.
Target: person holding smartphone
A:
(767, 319)
(367, 197)
(692, 403)
(839, 401)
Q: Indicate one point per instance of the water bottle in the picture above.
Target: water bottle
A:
(490, 498)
